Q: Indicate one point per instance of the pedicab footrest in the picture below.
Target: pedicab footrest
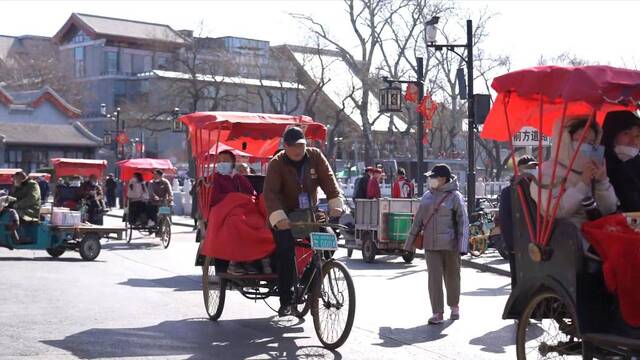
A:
(257, 277)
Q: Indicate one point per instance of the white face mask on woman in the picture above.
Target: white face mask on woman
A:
(224, 168)
(625, 152)
(434, 183)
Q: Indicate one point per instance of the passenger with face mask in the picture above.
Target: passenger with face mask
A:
(587, 177)
(621, 139)
(442, 218)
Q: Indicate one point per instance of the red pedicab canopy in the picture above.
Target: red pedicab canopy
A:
(35, 176)
(540, 97)
(526, 94)
(78, 167)
(145, 166)
(256, 134)
(6, 176)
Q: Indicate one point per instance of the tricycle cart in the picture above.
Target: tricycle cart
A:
(382, 226)
(56, 239)
(323, 285)
(559, 296)
(162, 229)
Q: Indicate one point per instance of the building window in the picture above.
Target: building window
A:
(13, 159)
(79, 58)
(163, 62)
(147, 63)
(80, 37)
(111, 62)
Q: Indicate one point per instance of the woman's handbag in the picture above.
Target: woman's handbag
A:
(418, 243)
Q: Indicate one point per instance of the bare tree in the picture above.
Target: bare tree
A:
(368, 20)
(37, 65)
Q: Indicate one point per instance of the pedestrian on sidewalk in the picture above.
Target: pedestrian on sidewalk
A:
(442, 220)
(111, 186)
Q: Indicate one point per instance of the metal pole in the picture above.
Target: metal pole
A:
(420, 160)
(471, 173)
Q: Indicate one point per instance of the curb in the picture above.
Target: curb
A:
(173, 223)
(470, 264)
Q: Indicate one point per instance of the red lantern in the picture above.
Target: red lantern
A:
(412, 93)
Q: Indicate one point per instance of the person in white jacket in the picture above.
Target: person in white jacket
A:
(587, 177)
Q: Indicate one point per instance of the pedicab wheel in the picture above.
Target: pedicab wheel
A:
(55, 252)
(369, 250)
(213, 290)
(129, 233)
(333, 305)
(547, 329)
(165, 232)
(477, 241)
(349, 253)
(409, 256)
(90, 246)
(302, 309)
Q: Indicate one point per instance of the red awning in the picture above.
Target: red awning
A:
(78, 167)
(144, 166)
(258, 134)
(47, 176)
(6, 176)
(583, 90)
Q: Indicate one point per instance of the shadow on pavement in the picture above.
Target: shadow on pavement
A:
(499, 291)
(133, 245)
(196, 338)
(379, 264)
(178, 283)
(49, 258)
(496, 341)
(397, 337)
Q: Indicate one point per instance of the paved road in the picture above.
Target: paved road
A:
(140, 301)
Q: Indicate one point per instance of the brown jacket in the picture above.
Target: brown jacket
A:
(161, 189)
(281, 186)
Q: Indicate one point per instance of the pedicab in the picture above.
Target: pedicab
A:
(323, 284)
(71, 196)
(560, 301)
(145, 166)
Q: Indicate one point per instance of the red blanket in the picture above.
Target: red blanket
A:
(237, 230)
(619, 247)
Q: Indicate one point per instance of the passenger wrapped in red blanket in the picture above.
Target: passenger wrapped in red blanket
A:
(619, 247)
(237, 230)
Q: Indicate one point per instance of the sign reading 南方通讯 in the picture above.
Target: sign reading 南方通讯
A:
(529, 136)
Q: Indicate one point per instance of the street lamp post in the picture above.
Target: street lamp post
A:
(390, 101)
(431, 39)
(116, 116)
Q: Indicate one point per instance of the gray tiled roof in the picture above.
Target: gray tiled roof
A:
(24, 97)
(47, 134)
(131, 28)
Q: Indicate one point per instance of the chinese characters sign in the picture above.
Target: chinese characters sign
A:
(530, 137)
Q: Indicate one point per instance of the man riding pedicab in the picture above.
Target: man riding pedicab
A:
(91, 192)
(24, 200)
(160, 194)
(292, 182)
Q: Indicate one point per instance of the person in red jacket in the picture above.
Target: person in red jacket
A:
(402, 188)
(373, 189)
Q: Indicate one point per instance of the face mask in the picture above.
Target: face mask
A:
(16, 183)
(625, 153)
(532, 172)
(224, 168)
(589, 152)
(434, 183)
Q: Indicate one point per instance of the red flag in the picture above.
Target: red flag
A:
(411, 95)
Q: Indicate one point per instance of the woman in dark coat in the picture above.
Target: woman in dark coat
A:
(621, 139)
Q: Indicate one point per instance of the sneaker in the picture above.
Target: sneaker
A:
(284, 310)
(235, 269)
(455, 313)
(266, 266)
(250, 269)
(436, 319)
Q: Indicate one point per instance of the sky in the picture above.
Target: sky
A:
(600, 31)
